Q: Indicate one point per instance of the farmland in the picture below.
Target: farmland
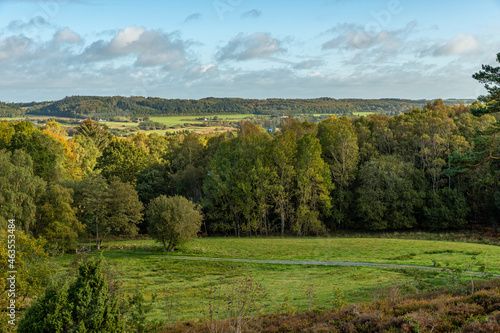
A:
(175, 124)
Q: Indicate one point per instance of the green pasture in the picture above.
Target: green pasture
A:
(170, 121)
(119, 124)
(360, 114)
(184, 286)
(179, 120)
(376, 250)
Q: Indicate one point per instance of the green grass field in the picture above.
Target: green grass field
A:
(179, 120)
(186, 284)
(360, 114)
(169, 121)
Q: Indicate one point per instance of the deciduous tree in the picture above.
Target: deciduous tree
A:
(313, 187)
(57, 219)
(173, 220)
(340, 150)
(19, 189)
(389, 193)
(121, 158)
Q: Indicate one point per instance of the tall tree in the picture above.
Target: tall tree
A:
(390, 191)
(57, 219)
(46, 152)
(124, 209)
(6, 133)
(90, 200)
(229, 187)
(20, 189)
(86, 154)
(490, 77)
(186, 163)
(121, 158)
(97, 133)
(283, 155)
(340, 150)
(313, 187)
(112, 208)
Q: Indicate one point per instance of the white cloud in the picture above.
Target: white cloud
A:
(351, 36)
(193, 17)
(15, 47)
(309, 64)
(150, 47)
(254, 13)
(257, 45)
(67, 36)
(461, 44)
(36, 22)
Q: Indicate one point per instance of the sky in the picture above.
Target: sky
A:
(193, 49)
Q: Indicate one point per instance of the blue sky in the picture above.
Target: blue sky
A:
(50, 49)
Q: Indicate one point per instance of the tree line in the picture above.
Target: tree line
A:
(428, 168)
(10, 110)
(96, 106)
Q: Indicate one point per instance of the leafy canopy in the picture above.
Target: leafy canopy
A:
(173, 220)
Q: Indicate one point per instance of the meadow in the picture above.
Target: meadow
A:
(183, 286)
(361, 114)
(179, 120)
(131, 128)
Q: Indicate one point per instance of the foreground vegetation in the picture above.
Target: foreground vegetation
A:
(153, 292)
(185, 286)
(439, 311)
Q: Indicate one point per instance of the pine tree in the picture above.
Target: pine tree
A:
(87, 306)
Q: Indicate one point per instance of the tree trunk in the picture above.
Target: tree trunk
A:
(164, 246)
(266, 222)
(97, 236)
(282, 222)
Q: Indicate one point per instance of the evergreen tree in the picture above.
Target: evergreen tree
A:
(87, 306)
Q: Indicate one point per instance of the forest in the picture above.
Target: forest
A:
(94, 106)
(433, 168)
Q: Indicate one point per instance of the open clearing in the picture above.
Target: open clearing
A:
(179, 120)
(360, 114)
(185, 284)
(132, 127)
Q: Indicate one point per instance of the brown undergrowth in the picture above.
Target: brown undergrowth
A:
(437, 311)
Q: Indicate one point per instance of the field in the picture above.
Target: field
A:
(186, 284)
(132, 127)
(179, 120)
(360, 114)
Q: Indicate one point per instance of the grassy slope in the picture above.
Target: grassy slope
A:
(187, 284)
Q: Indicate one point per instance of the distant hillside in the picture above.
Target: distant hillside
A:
(82, 106)
(10, 110)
